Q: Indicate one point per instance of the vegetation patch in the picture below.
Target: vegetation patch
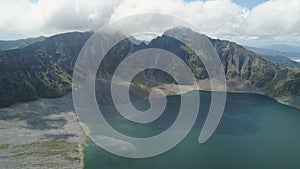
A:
(4, 146)
(64, 149)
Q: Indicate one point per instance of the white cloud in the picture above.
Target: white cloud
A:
(51, 16)
(214, 18)
(274, 20)
(11, 11)
(279, 17)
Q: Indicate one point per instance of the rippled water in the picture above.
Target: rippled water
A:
(255, 132)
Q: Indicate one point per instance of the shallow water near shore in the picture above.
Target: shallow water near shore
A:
(255, 132)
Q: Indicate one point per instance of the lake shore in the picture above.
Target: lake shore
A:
(172, 89)
(293, 102)
(52, 126)
(254, 127)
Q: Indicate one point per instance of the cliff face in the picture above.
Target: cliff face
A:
(245, 70)
(44, 69)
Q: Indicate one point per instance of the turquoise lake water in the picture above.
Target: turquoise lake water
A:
(255, 132)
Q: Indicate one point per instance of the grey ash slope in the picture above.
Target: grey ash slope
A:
(44, 69)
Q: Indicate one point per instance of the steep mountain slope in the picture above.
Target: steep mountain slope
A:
(44, 69)
(242, 67)
(272, 79)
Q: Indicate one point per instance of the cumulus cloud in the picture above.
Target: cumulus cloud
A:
(52, 16)
(274, 20)
(215, 18)
(11, 15)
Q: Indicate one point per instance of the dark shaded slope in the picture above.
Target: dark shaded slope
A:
(43, 69)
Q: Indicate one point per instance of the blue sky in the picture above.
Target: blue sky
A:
(33, 0)
(250, 4)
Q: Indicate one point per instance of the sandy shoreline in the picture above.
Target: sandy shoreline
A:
(293, 102)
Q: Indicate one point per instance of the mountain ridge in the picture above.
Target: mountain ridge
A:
(21, 43)
(44, 69)
(273, 52)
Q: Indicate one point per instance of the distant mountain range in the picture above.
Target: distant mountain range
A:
(283, 55)
(44, 68)
(283, 48)
(283, 61)
(16, 44)
(273, 51)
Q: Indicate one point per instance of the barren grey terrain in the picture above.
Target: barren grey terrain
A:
(41, 134)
